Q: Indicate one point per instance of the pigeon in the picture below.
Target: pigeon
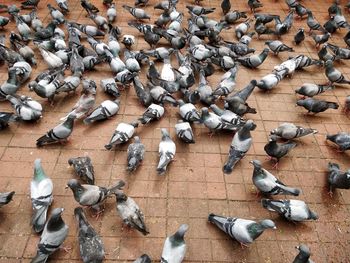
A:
(41, 188)
(299, 36)
(63, 5)
(92, 195)
(184, 131)
(130, 213)
(110, 87)
(225, 6)
(24, 50)
(188, 112)
(303, 61)
(277, 46)
(30, 4)
(111, 13)
(254, 61)
(23, 29)
(100, 21)
(331, 25)
(167, 150)
(268, 184)
(337, 178)
(312, 23)
(278, 150)
(6, 118)
(106, 110)
(334, 75)
(265, 18)
(311, 89)
(6, 198)
(89, 7)
(4, 21)
(142, 92)
(89, 30)
(86, 101)
(199, 10)
(52, 237)
(138, 13)
(58, 134)
(289, 131)
(237, 102)
(175, 247)
(240, 145)
(243, 230)
(90, 243)
(153, 112)
(143, 259)
(160, 95)
(50, 58)
(131, 62)
(317, 106)
(341, 139)
(325, 55)
(214, 123)
(83, 168)
(341, 53)
(11, 85)
(270, 81)
(282, 28)
(242, 28)
(292, 210)
(26, 108)
(136, 153)
(254, 4)
(205, 91)
(56, 14)
(227, 84)
(320, 39)
(261, 29)
(123, 133)
(304, 255)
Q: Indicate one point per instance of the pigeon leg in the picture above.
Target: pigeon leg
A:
(275, 166)
(66, 249)
(330, 192)
(243, 245)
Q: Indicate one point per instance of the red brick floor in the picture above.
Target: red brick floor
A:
(194, 185)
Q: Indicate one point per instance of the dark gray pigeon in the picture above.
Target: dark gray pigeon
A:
(337, 178)
(6, 198)
(340, 53)
(142, 92)
(254, 61)
(317, 106)
(92, 195)
(90, 244)
(188, 111)
(175, 247)
(225, 6)
(130, 213)
(83, 168)
(184, 131)
(311, 89)
(312, 23)
(240, 145)
(6, 118)
(54, 234)
(243, 230)
(341, 139)
(254, 4)
(320, 39)
(292, 210)
(268, 184)
(278, 150)
(58, 134)
(304, 255)
(299, 36)
(303, 61)
(41, 188)
(123, 133)
(334, 75)
(153, 112)
(277, 46)
(136, 152)
(291, 131)
(143, 259)
(167, 150)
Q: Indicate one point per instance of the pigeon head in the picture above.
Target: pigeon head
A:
(137, 139)
(266, 50)
(180, 233)
(303, 250)
(120, 196)
(313, 215)
(55, 222)
(205, 112)
(38, 170)
(267, 223)
(301, 102)
(273, 138)
(256, 164)
(32, 85)
(78, 212)
(165, 133)
(71, 161)
(135, 124)
(250, 125)
(76, 188)
(329, 63)
(180, 102)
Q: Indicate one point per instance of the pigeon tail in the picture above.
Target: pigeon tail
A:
(273, 205)
(39, 218)
(108, 147)
(40, 258)
(247, 91)
(219, 221)
(290, 190)
(234, 157)
(164, 160)
(43, 140)
(333, 166)
(334, 105)
(114, 188)
(5, 198)
(132, 164)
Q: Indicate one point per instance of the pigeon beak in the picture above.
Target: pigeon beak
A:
(274, 227)
(66, 187)
(251, 162)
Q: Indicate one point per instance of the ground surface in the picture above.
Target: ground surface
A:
(194, 185)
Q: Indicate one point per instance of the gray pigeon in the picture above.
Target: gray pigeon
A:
(188, 111)
(292, 210)
(304, 255)
(303, 61)
(6, 198)
(317, 106)
(58, 134)
(184, 131)
(111, 13)
(52, 237)
(341, 139)
(175, 247)
(205, 91)
(320, 39)
(56, 14)
(123, 133)
(130, 213)
(41, 188)
(233, 16)
(138, 13)
(214, 123)
(341, 53)
(277, 150)
(310, 89)
(228, 116)
(6, 118)
(227, 83)
(240, 145)
(160, 95)
(143, 259)
(268, 184)
(142, 92)
(83, 168)
(92, 195)
(136, 152)
(110, 87)
(312, 23)
(11, 85)
(291, 131)
(337, 178)
(254, 61)
(271, 80)
(90, 243)
(26, 108)
(277, 46)
(334, 75)
(106, 110)
(153, 112)
(242, 28)
(347, 104)
(243, 230)
(167, 150)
